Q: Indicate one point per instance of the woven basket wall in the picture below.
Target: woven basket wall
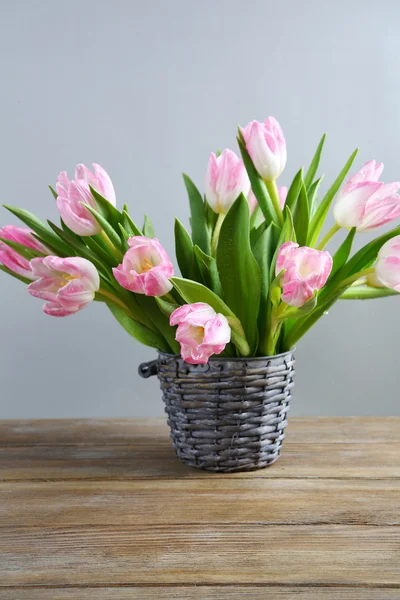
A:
(228, 415)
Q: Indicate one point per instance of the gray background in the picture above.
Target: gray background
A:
(148, 89)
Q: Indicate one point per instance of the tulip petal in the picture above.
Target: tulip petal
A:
(104, 184)
(217, 331)
(56, 310)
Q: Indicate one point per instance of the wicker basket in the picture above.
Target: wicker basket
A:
(228, 415)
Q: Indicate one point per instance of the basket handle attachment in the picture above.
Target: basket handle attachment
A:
(148, 369)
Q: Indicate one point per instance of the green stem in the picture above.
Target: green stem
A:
(328, 237)
(274, 195)
(349, 280)
(277, 316)
(365, 292)
(110, 245)
(115, 299)
(273, 336)
(168, 297)
(215, 236)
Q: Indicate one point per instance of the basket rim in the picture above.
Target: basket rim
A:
(216, 358)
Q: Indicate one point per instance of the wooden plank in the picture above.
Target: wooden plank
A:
(208, 501)
(224, 554)
(201, 593)
(63, 432)
(138, 461)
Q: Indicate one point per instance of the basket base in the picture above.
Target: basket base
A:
(236, 468)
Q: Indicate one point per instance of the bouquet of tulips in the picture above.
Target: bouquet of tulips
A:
(255, 272)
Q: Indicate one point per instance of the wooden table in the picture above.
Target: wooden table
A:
(103, 510)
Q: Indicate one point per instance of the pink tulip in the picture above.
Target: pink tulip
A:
(306, 271)
(10, 258)
(226, 178)
(387, 269)
(201, 332)
(366, 203)
(146, 267)
(71, 195)
(67, 284)
(266, 146)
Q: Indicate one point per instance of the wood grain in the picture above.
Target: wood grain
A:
(208, 501)
(306, 554)
(137, 461)
(103, 509)
(62, 432)
(201, 593)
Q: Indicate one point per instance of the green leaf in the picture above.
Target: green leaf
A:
(53, 191)
(301, 217)
(256, 217)
(313, 195)
(167, 308)
(184, 252)
(365, 292)
(258, 185)
(238, 270)
(200, 229)
(106, 209)
(129, 225)
(275, 291)
(124, 233)
(263, 251)
(78, 248)
(148, 229)
(256, 232)
(102, 252)
(322, 210)
(208, 269)
(107, 228)
(161, 321)
(342, 253)
(294, 190)
(366, 256)
(24, 251)
(312, 169)
(15, 275)
(46, 235)
(137, 330)
(192, 291)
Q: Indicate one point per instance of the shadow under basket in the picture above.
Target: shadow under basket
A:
(228, 415)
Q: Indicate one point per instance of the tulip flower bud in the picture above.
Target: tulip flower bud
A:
(67, 284)
(201, 332)
(73, 194)
(10, 258)
(387, 269)
(306, 271)
(366, 203)
(146, 267)
(226, 179)
(266, 146)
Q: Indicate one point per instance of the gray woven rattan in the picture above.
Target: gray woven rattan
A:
(228, 415)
